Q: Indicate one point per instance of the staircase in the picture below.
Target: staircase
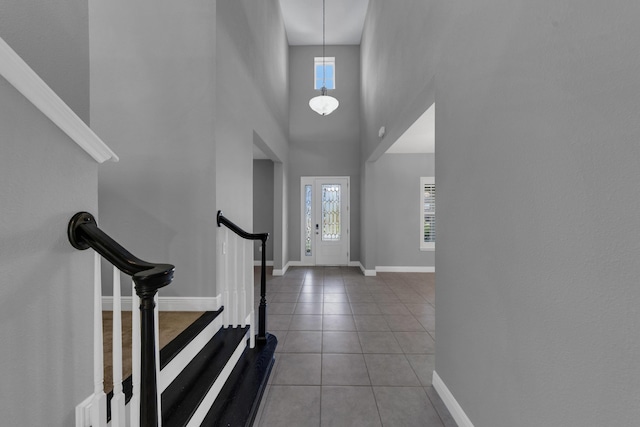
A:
(213, 373)
(218, 380)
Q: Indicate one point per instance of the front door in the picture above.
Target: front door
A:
(325, 220)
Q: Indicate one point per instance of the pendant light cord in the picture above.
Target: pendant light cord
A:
(324, 58)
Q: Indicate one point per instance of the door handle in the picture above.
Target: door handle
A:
(317, 229)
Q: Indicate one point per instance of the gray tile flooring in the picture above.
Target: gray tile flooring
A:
(352, 350)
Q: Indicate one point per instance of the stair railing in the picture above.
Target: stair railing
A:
(83, 233)
(262, 308)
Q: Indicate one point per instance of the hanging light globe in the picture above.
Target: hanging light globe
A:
(323, 104)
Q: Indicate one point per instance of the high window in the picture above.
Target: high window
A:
(324, 72)
(427, 213)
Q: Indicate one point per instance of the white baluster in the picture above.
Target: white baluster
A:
(225, 279)
(235, 317)
(118, 400)
(156, 322)
(134, 403)
(99, 404)
(250, 304)
(243, 283)
(252, 329)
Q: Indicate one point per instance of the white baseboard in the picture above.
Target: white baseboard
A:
(369, 273)
(394, 269)
(258, 263)
(172, 303)
(450, 402)
(299, 264)
(280, 272)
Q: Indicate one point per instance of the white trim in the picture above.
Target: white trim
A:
(278, 272)
(300, 264)
(258, 263)
(83, 412)
(205, 405)
(354, 264)
(450, 402)
(394, 269)
(369, 273)
(31, 86)
(171, 303)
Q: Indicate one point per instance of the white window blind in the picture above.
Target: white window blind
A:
(427, 213)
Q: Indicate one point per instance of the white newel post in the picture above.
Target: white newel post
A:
(99, 404)
(118, 400)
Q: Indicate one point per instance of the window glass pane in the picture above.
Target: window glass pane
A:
(307, 219)
(331, 212)
(328, 84)
(324, 73)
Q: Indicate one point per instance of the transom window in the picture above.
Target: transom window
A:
(324, 72)
(427, 213)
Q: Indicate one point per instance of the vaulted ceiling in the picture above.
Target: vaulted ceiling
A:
(344, 23)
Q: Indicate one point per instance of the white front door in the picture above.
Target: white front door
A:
(325, 220)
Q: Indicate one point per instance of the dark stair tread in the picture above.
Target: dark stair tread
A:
(183, 396)
(239, 400)
(169, 351)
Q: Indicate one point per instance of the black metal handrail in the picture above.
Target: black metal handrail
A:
(83, 233)
(263, 237)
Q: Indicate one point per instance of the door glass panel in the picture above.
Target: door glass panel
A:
(308, 226)
(330, 212)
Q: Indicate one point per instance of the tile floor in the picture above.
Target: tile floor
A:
(352, 350)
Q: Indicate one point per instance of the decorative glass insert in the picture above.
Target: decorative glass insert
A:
(331, 212)
(308, 226)
(429, 222)
(325, 73)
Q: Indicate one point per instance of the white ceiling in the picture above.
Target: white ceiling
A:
(420, 137)
(343, 23)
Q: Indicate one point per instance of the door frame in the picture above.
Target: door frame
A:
(310, 180)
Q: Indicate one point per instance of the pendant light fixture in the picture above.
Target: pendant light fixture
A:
(323, 104)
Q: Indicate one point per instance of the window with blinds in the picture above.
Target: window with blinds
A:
(427, 213)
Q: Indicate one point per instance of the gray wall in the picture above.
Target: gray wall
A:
(537, 168)
(399, 43)
(45, 284)
(153, 91)
(252, 97)
(397, 209)
(52, 38)
(180, 101)
(398, 54)
(263, 205)
(324, 145)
